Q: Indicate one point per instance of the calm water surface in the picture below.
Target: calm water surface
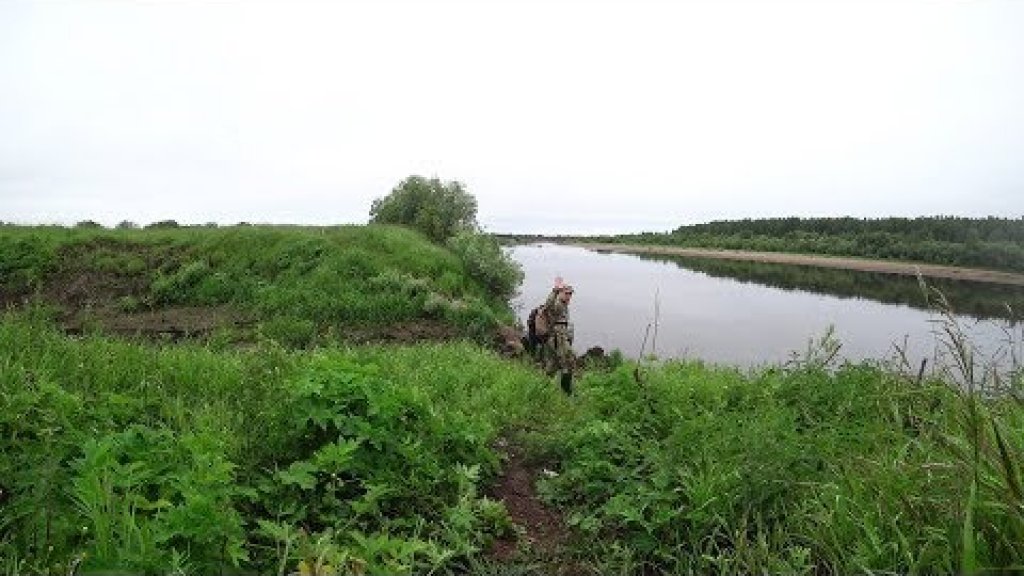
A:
(724, 320)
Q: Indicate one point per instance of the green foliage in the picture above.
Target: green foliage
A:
(487, 263)
(163, 224)
(375, 460)
(147, 499)
(369, 454)
(440, 210)
(179, 285)
(290, 331)
(117, 263)
(996, 243)
(26, 256)
(300, 286)
(179, 459)
(806, 470)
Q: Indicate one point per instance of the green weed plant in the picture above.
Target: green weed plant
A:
(124, 456)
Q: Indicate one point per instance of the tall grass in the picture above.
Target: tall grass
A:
(987, 443)
(184, 458)
(192, 459)
(805, 469)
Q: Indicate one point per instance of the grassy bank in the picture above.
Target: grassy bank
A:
(807, 471)
(298, 286)
(240, 451)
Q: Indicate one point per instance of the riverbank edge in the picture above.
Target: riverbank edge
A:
(862, 265)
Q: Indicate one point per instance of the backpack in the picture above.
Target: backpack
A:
(538, 324)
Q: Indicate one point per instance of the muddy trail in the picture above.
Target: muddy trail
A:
(542, 538)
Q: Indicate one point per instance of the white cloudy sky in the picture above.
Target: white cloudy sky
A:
(559, 116)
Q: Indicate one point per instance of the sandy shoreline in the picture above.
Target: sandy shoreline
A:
(864, 265)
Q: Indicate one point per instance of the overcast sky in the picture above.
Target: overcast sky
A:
(559, 116)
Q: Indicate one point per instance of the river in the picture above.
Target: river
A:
(751, 315)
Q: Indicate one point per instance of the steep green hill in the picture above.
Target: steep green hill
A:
(298, 286)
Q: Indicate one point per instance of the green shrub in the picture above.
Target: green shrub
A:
(488, 263)
(438, 209)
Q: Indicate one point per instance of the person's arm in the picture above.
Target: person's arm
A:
(552, 298)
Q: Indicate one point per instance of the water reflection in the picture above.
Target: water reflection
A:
(747, 321)
(980, 300)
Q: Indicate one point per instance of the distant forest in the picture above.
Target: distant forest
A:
(994, 243)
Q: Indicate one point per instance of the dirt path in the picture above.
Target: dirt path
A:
(864, 265)
(543, 533)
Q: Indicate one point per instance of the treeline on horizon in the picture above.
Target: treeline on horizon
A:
(996, 243)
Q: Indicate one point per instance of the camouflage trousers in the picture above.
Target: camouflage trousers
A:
(558, 354)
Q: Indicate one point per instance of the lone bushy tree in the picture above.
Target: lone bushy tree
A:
(438, 209)
(488, 263)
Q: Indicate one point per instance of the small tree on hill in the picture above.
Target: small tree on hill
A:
(438, 209)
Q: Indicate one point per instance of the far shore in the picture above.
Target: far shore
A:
(862, 264)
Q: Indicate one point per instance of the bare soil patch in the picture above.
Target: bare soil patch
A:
(172, 323)
(863, 265)
(88, 299)
(543, 533)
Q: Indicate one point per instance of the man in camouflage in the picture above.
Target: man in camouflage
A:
(558, 353)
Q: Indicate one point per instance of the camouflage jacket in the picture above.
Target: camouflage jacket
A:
(557, 311)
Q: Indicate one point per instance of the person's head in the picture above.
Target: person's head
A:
(565, 294)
